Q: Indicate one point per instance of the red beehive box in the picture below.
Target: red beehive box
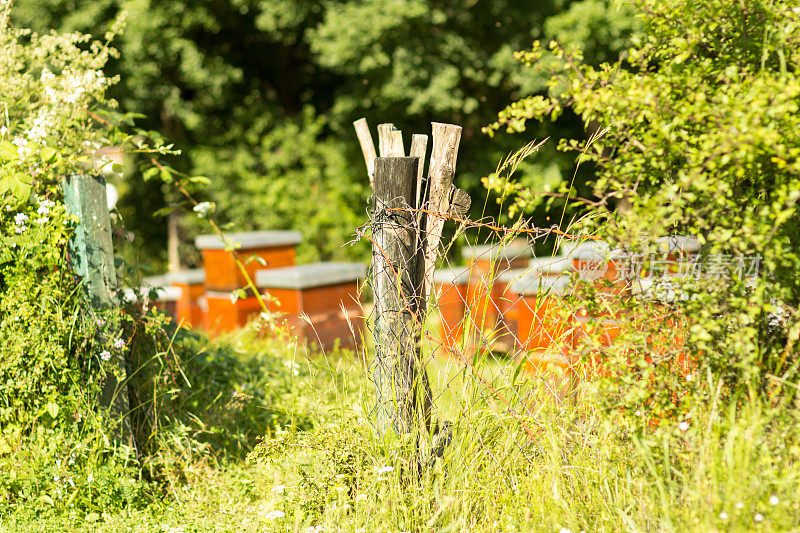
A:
(326, 294)
(256, 249)
(451, 298)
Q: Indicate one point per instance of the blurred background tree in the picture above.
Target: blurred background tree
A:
(260, 95)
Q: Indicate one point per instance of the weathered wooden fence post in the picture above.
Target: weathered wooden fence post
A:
(92, 257)
(403, 404)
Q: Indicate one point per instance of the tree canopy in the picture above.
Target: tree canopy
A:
(260, 95)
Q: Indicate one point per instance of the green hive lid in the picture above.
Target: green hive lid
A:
(508, 251)
(451, 276)
(248, 240)
(309, 276)
(535, 284)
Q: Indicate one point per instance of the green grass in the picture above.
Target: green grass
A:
(523, 463)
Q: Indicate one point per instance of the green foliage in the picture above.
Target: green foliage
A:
(230, 81)
(696, 131)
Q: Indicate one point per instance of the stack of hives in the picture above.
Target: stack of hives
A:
(319, 301)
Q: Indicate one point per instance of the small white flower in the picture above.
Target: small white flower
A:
(279, 489)
(119, 344)
(723, 515)
(564, 530)
(689, 377)
(90, 478)
(758, 517)
(101, 322)
(42, 220)
(385, 469)
(105, 355)
(274, 515)
(20, 219)
(43, 210)
(341, 489)
(339, 476)
(71, 483)
(773, 500)
(315, 529)
(361, 498)
(203, 209)
(739, 505)
(20, 229)
(683, 426)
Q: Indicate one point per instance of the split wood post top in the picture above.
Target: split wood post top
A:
(443, 198)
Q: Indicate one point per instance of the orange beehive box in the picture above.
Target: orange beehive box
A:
(487, 262)
(257, 250)
(188, 309)
(451, 298)
(538, 314)
(320, 300)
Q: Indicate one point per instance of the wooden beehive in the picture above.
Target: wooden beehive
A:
(319, 300)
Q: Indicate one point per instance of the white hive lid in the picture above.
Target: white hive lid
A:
(451, 276)
(535, 284)
(508, 251)
(249, 239)
(679, 243)
(308, 276)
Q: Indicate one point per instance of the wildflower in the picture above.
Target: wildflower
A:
(564, 530)
(101, 322)
(689, 377)
(385, 469)
(758, 517)
(339, 476)
(279, 489)
(20, 229)
(341, 489)
(42, 220)
(90, 478)
(773, 500)
(105, 355)
(203, 209)
(723, 515)
(43, 209)
(119, 344)
(71, 483)
(274, 515)
(683, 426)
(20, 219)
(739, 505)
(361, 498)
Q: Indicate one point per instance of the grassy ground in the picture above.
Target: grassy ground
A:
(518, 461)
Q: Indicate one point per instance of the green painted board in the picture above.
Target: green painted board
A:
(91, 249)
